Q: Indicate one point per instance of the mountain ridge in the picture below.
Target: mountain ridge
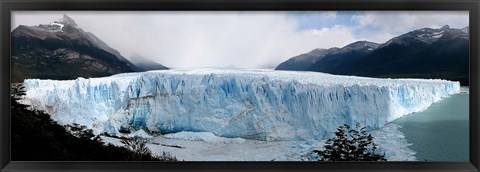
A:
(423, 53)
(62, 50)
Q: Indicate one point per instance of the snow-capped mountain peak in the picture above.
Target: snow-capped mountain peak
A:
(361, 45)
(429, 35)
(446, 27)
(66, 28)
(59, 25)
(67, 21)
(364, 46)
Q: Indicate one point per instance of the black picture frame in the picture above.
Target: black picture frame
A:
(6, 6)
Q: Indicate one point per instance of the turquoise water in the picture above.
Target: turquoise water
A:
(439, 133)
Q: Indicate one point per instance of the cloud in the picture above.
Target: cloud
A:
(238, 39)
(202, 39)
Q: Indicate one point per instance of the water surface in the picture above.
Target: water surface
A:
(439, 133)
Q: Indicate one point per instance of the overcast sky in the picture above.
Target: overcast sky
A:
(232, 39)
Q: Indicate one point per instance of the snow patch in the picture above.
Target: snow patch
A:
(437, 36)
(57, 24)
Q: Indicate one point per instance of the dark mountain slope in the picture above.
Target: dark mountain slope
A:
(145, 64)
(62, 50)
(304, 61)
(424, 53)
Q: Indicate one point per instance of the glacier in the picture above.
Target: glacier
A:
(251, 104)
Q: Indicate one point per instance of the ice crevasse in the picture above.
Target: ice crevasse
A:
(252, 104)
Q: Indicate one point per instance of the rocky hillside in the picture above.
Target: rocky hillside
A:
(441, 53)
(62, 50)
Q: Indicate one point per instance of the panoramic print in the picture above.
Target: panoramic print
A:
(240, 86)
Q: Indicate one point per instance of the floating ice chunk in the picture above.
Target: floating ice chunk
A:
(140, 133)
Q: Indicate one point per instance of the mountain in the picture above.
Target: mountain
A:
(441, 53)
(145, 64)
(62, 50)
(304, 62)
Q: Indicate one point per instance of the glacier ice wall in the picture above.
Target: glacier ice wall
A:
(255, 104)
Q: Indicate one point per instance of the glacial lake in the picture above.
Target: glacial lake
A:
(440, 133)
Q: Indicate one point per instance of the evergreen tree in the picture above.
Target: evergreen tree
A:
(36, 137)
(350, 145)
